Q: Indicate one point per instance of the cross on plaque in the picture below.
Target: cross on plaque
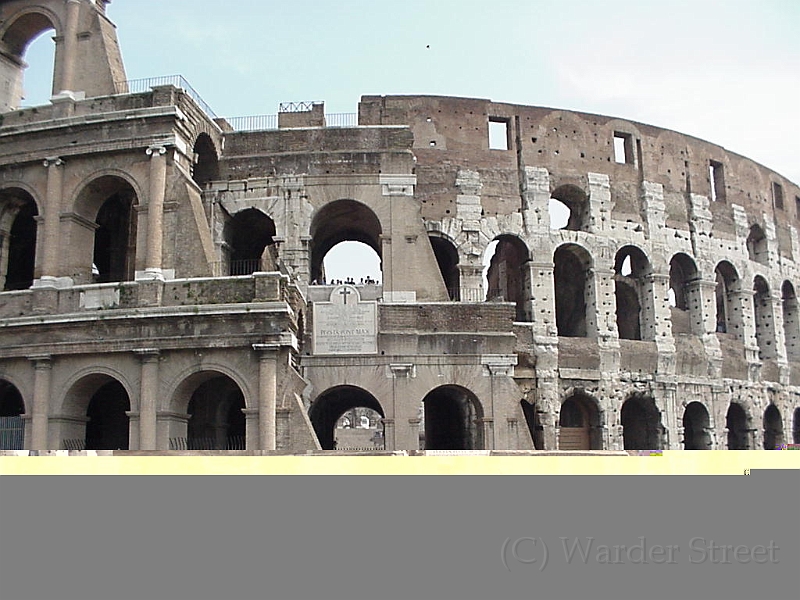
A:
(345, 293)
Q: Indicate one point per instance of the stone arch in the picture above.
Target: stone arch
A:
(108, 204)
(507, 277)
(250, 242)
(207, 407)
(773, 428)
(342, 221)
(446, 254)
(796, 426)
(577, 202)
(696, 427)
(330, 405)
(729, 309)
(791, 321)
(205, 163)
(738, 425)
(757, 247)
(685, 297)
(641, 423)
(574, 291)
(633, 290)
(16, 35)
(763, 318)
(579, 423)
(18, 231)
(95, 411)
(451, 419)
(12, 409)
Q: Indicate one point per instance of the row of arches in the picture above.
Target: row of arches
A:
(97, 408)
(580, 426)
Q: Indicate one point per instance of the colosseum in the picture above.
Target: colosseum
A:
(164, 288)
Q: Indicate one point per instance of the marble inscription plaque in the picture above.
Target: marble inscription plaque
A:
(345, 325)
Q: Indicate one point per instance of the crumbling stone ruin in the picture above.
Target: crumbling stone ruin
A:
(164, 286)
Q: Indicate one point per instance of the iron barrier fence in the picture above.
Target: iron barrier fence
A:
(254, 123)
(232, 442)
(235, 268)
(136, 86)
(341, 120)
(12, 433)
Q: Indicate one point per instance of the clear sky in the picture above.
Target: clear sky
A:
(725, 71)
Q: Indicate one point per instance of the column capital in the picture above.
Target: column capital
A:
(41, 361)
(266, 351)
(53, 161)
(156, 150)
(147, 354)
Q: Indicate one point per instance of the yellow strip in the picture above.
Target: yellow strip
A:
(678, 462)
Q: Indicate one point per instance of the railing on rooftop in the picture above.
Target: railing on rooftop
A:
(253, 123)
(136, 86)
(298, 106)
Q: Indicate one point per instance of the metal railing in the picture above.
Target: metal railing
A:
(136, 86)
(12, 433)
(233, 442)
(235, 268)
(341, 120)
(288, 107)
(254, 123)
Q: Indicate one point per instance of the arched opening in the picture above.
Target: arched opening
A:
(579, 424)
(95, 415)
(573, 201)
(763, 317)
(450, 420)
(696, 435)
(342, 221)
(729, 312)
(107, 427)
(685, 299)
(757, 245)
(574, 291)
(633, 291)
(353, 263)
(17, 239)
(738, 430)
(791, 322)
(329, 407)
(359, 428)
(216, 420)
(250, 241)
(507, 278)
(796, 426)
(12, 426)
(447, 258)
(24, 42)
(773, 428)
(641, 424)
(110, 202)
(206, 163)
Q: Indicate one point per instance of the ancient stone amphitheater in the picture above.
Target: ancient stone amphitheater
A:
(164, 285)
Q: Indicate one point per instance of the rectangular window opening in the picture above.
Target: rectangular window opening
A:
(498, 133)
(777, 195)
(716, 175)
(623, 148)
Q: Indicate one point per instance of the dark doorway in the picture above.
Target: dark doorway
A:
(695, 427)
(329, 406)
(114, 240)
(107, 428)
(641, 424)
(216, 420)
(738, 431)
(450, 423)
(773, 428)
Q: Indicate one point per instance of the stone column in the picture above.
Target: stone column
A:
(486, 427)
(70, 47)
(148, 398)
(52, 218)
(41, 401)
(388, 434)
(267, 391)
(413, 426)
(155, 211)
(251, 428)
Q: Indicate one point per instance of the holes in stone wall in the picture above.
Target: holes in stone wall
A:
(764, 319)
(757, 248)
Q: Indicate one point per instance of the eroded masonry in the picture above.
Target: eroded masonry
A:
(549, 279)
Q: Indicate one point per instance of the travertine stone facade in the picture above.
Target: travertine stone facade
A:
(161, 266)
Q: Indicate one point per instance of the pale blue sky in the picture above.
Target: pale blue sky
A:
(726, 71)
